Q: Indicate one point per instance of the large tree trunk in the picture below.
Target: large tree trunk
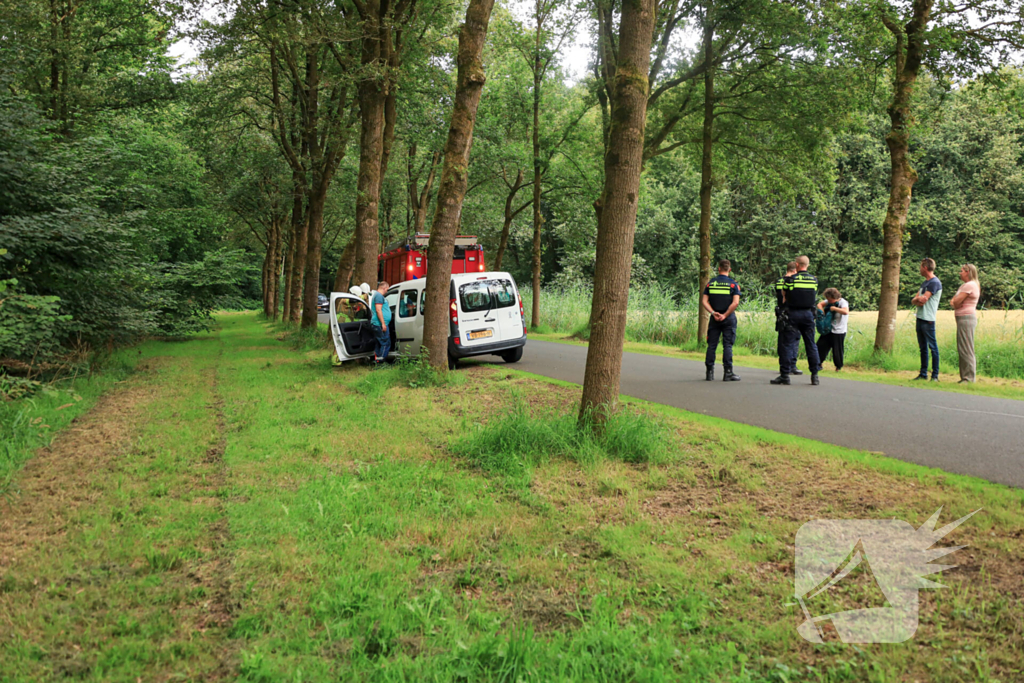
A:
(343, 278)
(276, 270)
(371, 109)
(289, 267)
(538, 218)
(299, 232)
(910, 44)
(510, 214)
(617, 209)
(315, 231)
(707, 138)
(454, 180)
(422, 202)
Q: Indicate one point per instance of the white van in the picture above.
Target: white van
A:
(485, 317)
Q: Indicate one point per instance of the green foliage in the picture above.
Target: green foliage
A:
(515, 443)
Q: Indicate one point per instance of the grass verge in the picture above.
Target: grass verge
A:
(268, 521)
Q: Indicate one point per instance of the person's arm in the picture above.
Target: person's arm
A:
(732, 306)
(841, 311)
(958, 299)
(921, 298)
(821, 304)
(380, 317)
(707, 306)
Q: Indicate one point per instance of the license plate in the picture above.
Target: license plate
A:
(481, 334)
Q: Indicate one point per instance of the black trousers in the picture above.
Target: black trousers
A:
(726, 330)
(834, 342)
(801, 325)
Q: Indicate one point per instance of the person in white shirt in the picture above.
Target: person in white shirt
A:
(835, 339)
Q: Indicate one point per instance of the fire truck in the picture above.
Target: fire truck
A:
(406, 259)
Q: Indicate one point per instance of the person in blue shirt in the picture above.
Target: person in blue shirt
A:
(927, 302)
(381, 318)
(720, 298)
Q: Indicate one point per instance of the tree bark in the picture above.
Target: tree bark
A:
(289, 268)
(299, 241)
(422, 202)
(276, 270)
(910, 46)
(617, 209)
(454, 180)
(343, 278)
(510, 215)
(371, 130)
(707, 137)
(538, 217)
(315, 231)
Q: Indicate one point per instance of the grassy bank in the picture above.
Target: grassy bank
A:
(656, 317)
(254, 514)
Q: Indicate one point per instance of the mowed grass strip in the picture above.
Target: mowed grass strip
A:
(111, 563)
(382, 528)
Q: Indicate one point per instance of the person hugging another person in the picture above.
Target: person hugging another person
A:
(965, 309)
(835, 339)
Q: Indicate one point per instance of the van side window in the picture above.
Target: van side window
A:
(350, 311)
(407, 304)
(476, 296)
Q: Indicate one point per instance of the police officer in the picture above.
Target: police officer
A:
(782, 318)
(720, 298)
(800, 296)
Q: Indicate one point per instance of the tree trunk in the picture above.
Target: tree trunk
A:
(278, 245)
(901, 175)
(289, 268)
(299, 232)
(509, 216)
(371, 109)
(705, 173)
(343, 278)
(538, 218)
(423, 202)
(315, 232)
(617, 208)
(454, 180)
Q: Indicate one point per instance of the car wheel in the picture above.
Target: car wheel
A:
(513, 356)
(453, 362)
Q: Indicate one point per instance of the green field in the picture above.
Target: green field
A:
(237, 509)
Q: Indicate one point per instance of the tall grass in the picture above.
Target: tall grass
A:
(661, 316)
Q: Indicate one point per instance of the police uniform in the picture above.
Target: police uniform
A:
(801, 297)
(720, 290)
(781, 322)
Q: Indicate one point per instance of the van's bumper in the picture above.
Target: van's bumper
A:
(459, 351)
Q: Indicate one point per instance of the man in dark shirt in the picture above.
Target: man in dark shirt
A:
(720, 298)
(800, 296)
(782, 318)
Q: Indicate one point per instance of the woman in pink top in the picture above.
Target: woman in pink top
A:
(965, 309)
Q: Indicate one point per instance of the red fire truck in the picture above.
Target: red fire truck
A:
(406, 259)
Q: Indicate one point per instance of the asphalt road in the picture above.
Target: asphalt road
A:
(965, 434)
(960, 433)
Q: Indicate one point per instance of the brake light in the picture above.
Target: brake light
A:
(410, 267)
(481, 266)
(454, 310)
(522, 314)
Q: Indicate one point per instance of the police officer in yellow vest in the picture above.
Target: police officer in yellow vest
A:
(782, 318)
(800, 295)
(720, 298)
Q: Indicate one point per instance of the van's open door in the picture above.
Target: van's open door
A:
(350, 327)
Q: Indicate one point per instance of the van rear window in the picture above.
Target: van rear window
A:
(487, 294)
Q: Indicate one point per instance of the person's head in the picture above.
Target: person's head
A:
(724, 267)
(832, 294)
(790, 267)
(365, 288)
(802, 262)
(927, 267)
(355, 290)
(969, 272)
(382, 286)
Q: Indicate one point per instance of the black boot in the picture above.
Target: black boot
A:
(781, 379)
(814, 379)
(730, 376)
(794, 371)
(711, 374)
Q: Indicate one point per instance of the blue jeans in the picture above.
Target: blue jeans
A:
(801, 324)
(383, 347)
(926, 342)
(726, 330)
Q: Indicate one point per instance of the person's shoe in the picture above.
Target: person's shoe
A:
(781, 379)
(730, 376)
(935, 378)
(814, 379)
(920, 377)
(797, 372)
(964, 381)
(710, 375)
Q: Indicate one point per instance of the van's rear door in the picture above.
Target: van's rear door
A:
(408, 318)
(478, 321)
(506, 309)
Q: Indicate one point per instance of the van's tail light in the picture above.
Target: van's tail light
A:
(453, 308)
(522, 314)
(481, 266)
